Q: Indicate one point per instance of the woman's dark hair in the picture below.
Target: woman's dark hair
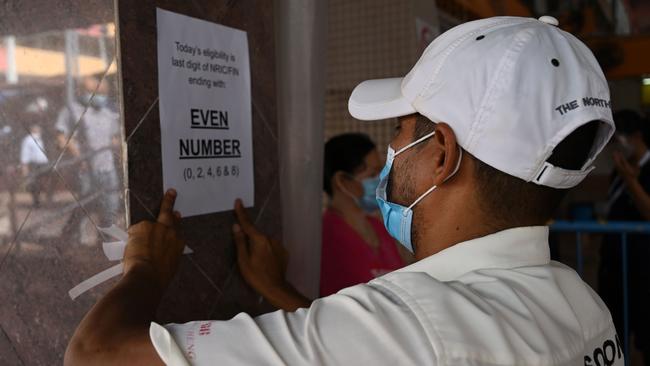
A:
(345, 153)
(628, 122)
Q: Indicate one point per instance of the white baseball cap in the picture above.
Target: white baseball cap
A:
(511, 88)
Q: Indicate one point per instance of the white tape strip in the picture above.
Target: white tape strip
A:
(115, 232)
(95, 280)
(114, 251)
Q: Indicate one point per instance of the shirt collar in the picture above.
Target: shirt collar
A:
(511, 248)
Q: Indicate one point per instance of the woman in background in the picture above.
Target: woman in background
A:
(356, 246)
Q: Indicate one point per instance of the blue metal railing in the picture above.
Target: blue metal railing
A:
(612, 227)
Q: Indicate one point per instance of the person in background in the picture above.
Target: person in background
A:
(629, 200)
(356, 246)
(34, 162)
(94, 142)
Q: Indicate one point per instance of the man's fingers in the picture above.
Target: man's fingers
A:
(279, 249)
(177, 217)
(621, 162)
(240, 242)
(617, 156)
(276, 244)
(166, 215)
(178, 245)
(618, 160)
(280, 252)
(245, 222)
(142, 227)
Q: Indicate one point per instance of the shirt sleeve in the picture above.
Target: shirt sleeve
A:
(113, 119)
(62, 121)
(31, 151)
(24, 152)
(362, 325)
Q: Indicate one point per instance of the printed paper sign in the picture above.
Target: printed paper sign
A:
(205, 113)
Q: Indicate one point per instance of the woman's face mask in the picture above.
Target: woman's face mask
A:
(368, 202)
(363, 191)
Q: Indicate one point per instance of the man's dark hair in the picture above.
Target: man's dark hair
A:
(345, 153)
(510, 201)
(629, 122)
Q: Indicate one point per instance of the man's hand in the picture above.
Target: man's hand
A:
(262, 261)
(627, 171)
(263, 264)
(155, 246)
(116, 330)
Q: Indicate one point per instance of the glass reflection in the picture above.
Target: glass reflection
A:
(60, 178)
(58, 109)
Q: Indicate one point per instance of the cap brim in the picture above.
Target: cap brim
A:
(379, 99)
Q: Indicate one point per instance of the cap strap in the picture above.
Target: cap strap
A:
(552, 176)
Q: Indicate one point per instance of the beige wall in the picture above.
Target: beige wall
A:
(368, 39)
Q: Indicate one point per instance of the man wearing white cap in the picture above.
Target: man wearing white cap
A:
(496, 120)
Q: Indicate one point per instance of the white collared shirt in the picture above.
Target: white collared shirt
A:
(98, 125)
(31, 150)
(495, 300)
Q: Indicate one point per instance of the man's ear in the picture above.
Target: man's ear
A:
(446, 153)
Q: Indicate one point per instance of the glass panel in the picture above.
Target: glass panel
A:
(60, 168)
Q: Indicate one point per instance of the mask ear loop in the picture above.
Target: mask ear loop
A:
(460, 158)
(348, 193)
(414, 143)
(408, 147)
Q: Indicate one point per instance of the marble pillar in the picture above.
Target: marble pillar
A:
(208, 285)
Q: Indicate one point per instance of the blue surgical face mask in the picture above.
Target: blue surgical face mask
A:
(397, 218)
(369, 200)
(85, 98)
(99, 101)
